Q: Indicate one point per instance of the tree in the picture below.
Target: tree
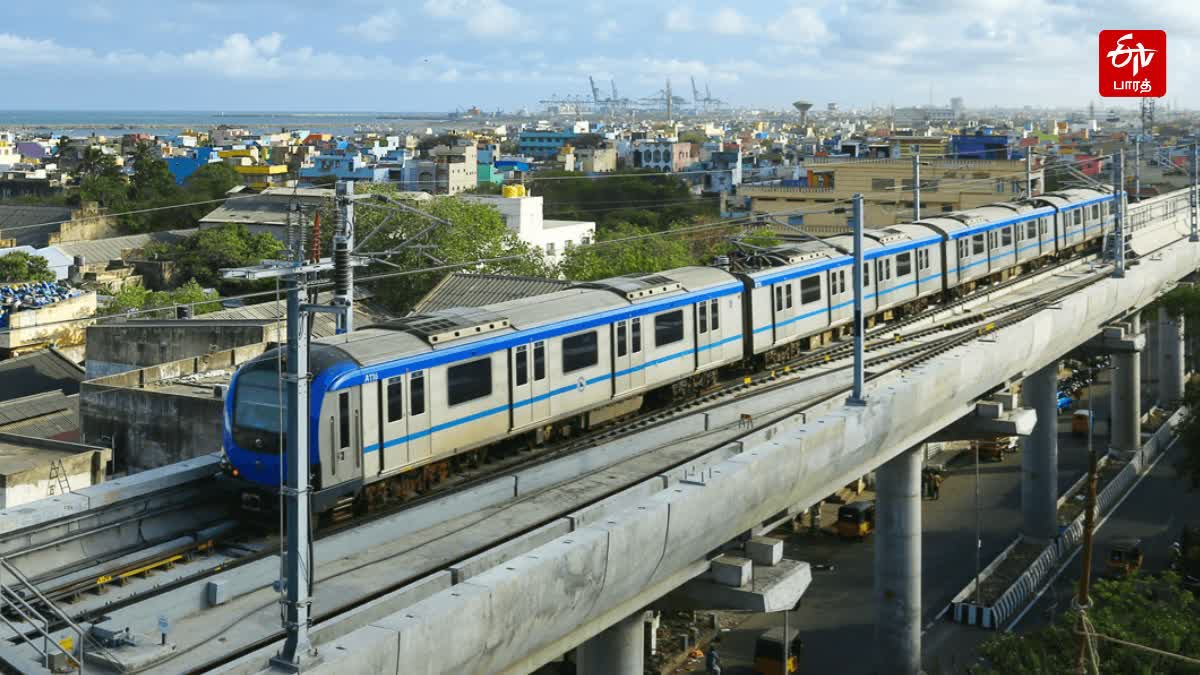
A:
(138, 298)
(20, 267)
(475, 232)
(625, 249)
(212, 181)
(95, 162)
(641, 197)
(151, 178)
(202, 255)
(1152, 611)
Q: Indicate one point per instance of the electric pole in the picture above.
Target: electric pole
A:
(1195, 235)
(856, 394)
(343, 244)
(1119, 211)
(916, 172)
(1085, 577)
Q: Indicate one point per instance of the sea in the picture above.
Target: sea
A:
(171, 122)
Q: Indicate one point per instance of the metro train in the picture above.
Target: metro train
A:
(392, 404)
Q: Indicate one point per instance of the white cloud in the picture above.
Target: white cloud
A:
(382, 27)
(679, 20)
(729, 21)
(799, 26)
(482, 18)
(606, 30)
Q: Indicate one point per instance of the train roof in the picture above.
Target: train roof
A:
(1071, 196)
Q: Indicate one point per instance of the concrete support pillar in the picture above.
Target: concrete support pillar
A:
(1039, 457)
(618, 650)
(898, 565)
(1170, 359)
(1126, 398)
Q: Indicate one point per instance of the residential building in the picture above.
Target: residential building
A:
(268, 211)
(911, 118)
(662, 155)
(886, 186)
(523, 215)
(224, 135)
(10, 155)
(457, 167)
(723, 169)
(984, 144)
(543, 145)
(35, 182)
(344, 166)
(596, 160)
(40, 226)
(183, 166)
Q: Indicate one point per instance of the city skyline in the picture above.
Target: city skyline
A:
(369, 55)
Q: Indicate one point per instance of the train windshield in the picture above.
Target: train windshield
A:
(260, 409)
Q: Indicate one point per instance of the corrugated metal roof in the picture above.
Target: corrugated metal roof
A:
(324, 324)
(37, 373)
(38, 405)
(269, 208)
(31, 225)
(463, 289)
(116, 248)
(62, 425)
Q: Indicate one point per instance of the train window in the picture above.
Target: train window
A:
(714, 320)
(622, 347)
(903, 264)
(866, 275)
(977, 245)
(521, 365)
(1078, 216)
(539, 360)
(962, 248)
(1031, 230)
(580, 351)
(1095, 211)
(1006, 235)
(668, 328)
(778, 298)
(416, 393)
(344, 419)
(259, 408)
(1112, 207)
(788, 294)
(395, 399)
(702, 314)
(810, 290)
(469, 381)
(635, 336)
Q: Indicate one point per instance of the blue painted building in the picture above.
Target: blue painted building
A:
(344, 167)
(182, 167)
(984, 144)
(543, 144)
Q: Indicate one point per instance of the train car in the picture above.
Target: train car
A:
(904, 264)
(793, 300)
(1082, 216)
(392, 398)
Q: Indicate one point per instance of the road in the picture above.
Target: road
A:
(1155, 511)
(837, 614)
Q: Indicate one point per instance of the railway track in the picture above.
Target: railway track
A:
(884, 341)
(898, 359)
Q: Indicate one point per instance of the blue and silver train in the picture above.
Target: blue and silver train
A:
(392, 404)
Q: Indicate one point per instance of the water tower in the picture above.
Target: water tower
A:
(803, 107)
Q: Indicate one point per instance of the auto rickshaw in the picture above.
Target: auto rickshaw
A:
(856, 520)
(1125, 557)
(768, 652)
(1079, 422)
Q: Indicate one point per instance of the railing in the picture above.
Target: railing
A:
(41, 622)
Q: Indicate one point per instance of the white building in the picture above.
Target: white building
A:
(9, 156)
(523, 215)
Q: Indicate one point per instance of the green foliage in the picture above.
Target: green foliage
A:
(624, 249)
(202, 255)
(652, 201)
(21, 267)
(1151, 611)
(476, 232)
(134, 298)
(97, 163)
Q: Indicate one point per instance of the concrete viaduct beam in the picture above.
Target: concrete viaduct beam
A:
(525, 612)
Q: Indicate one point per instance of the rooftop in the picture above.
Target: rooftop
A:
(40, 372)
(270, 207)
(116, 248)
(31, 225)
(463, 289)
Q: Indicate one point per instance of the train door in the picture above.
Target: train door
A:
(704, 335)
(372, 428)
(393, 423)
(637, 354)
(521, 367)
(417, 399)
(621, 357)
(341, 459)
(539, 388)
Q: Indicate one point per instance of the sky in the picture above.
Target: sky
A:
(439, 55)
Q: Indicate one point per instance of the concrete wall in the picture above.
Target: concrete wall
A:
(117, 348)
(148, 427)
(33, 329)
(84, 467)
(86, 223)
